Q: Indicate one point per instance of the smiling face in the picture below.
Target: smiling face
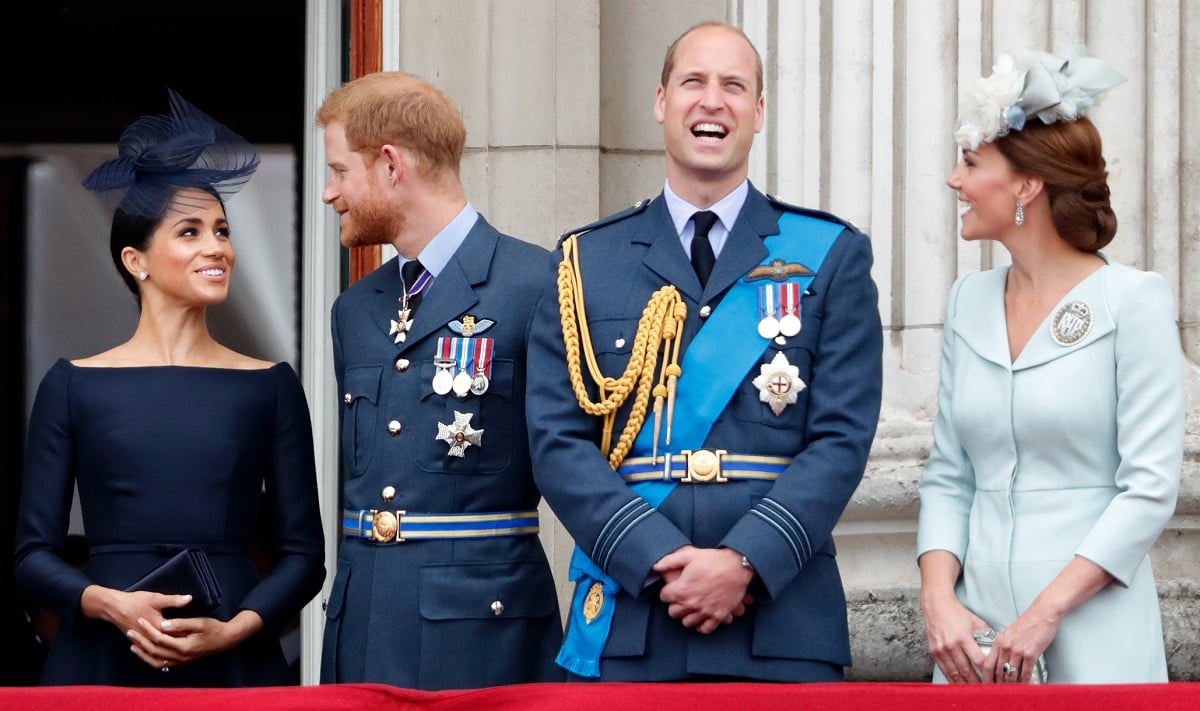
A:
(190, 257)
(987, 190)
(710, 110)
(355, 192)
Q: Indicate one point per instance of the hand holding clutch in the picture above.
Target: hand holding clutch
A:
(186, 573)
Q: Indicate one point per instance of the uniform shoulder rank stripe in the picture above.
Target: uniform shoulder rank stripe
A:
(809, 212)
(637, 208)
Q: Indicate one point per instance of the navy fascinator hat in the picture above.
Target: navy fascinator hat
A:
(159, 155)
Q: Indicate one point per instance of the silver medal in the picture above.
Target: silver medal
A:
(443, 381)
(768, 327)
(460, 434)
(789, 325)
(480, 384)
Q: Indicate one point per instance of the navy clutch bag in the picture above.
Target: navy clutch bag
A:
(186, 573)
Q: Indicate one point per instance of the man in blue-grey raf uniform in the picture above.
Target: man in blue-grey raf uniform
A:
(708, 385)
(441, 579)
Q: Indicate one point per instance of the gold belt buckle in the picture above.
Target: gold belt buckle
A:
(703, 466)
(385, 526)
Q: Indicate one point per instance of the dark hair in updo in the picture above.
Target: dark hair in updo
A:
(1068, 158)
(130, 230)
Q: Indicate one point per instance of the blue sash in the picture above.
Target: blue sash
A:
(716, 360)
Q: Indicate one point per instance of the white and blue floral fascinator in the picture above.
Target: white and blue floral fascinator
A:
(159, 155)
(1029, 84)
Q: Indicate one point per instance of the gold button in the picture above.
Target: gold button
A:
(394, 427)
(388, 493)
(347, 398)
(705, 311)
(497, 608)
(402, 365)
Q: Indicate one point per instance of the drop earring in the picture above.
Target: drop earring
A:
(1018, 219)
(142, 275)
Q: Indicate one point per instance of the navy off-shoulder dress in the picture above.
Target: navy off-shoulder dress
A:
(168, 457)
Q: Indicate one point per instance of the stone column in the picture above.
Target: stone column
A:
(861, 102)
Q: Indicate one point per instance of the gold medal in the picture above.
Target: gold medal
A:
(462, 384)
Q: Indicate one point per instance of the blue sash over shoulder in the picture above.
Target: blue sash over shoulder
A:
(714, 364)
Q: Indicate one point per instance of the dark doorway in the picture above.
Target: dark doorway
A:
(77, 72)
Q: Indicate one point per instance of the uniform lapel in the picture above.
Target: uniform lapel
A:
(665, 256)
(390, 288)
(744, 249)
(452, 293)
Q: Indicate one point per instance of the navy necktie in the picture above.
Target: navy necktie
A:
(411, 273)
(703, 257)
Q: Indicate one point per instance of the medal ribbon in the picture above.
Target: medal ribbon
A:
(483, 357)
(417, 287)
(464, 349)
(767, 305)
(790, 297)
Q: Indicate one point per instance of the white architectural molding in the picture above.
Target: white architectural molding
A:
(320, 284)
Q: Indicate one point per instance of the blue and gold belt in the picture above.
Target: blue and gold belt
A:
(702, 466)
(395, 526)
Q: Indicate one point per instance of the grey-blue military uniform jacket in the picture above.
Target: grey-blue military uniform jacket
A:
(439, 614)
(797, 622)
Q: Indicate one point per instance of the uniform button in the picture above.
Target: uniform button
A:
(394, 427)
(347, 398)
(388, 493)
(620, 343)
(705, 311)
(497, 608)
(402, 365)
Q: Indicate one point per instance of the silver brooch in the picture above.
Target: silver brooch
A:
(1071, 323)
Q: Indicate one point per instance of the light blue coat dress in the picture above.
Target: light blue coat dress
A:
(1069, 450)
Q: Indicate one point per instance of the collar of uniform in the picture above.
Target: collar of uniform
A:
(727, 209)
(445, 243)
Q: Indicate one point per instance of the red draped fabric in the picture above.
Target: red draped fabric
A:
(615, 697)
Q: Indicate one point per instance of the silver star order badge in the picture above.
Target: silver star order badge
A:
(401, 327)
(460, 435)
(778, 383)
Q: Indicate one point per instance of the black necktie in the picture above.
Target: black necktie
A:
(703, 258)
(411, 274)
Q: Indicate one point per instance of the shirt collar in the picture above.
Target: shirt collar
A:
(444, 244)
(727, 208)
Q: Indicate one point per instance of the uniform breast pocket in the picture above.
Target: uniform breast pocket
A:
(361, 403)
(612, 342)
(474, 433)
(775, 390)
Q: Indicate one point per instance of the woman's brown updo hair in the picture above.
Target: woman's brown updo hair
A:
(1067, 156)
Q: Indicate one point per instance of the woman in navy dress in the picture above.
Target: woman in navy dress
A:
(174, 441)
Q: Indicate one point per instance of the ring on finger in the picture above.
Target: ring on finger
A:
(166, 667)
(1008, 669)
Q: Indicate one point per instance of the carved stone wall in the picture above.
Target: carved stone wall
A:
(861, 105)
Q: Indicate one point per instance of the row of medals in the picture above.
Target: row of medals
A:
(461, 384)
(773, 298)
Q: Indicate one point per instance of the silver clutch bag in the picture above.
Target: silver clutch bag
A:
(986, 636)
